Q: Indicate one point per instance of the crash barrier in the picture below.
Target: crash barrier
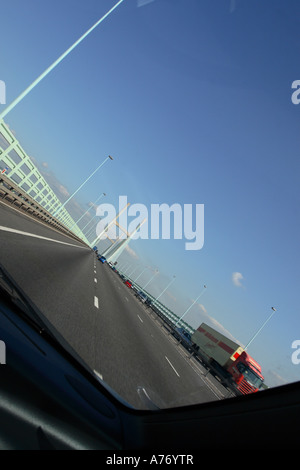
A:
(13, 195)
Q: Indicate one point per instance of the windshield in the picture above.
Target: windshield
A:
(250, 375)
(149, 184)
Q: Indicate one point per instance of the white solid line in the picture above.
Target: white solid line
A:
(34, 219)
(172, 366)
(27, 234)
(140, 319)
(96, 302)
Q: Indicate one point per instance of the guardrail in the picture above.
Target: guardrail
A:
(16, 197)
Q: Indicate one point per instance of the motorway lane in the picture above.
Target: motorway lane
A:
(58, 278)
(145, 357)
(51, 276)
(17, 219)
(97, 314)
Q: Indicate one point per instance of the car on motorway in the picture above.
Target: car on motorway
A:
(142, 296)
(181, 333)
(148, 302)
(128, 283)
(102, 259)
(184, 336)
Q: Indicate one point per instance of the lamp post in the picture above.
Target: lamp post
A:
(94, 216)
(171, 282)
(131, 273)
(90, 230)
(100, 197)
(156, 271)
(188, 309)
(127, 269)
(141, 274)
(75, 192)
(262, 326)
(123, 268)
(90, 221)
(54, 64)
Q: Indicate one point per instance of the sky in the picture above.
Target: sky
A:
(193, 101)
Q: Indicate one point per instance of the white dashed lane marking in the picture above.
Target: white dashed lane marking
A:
(172, 366)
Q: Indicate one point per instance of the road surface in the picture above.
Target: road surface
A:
(112, 331)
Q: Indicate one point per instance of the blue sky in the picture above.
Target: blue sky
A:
(193, 100)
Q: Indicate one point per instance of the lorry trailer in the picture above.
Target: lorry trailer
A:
(227, 359)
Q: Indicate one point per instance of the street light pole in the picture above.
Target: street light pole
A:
(258, 331)
(94, 216)
(123, 268)
(174, 277)
(188, 309)
(128, 268)
(141, 274)
(100, 197)
(150, 279)
(134, 269)
(75, 192)
(52, 66)
(90, 230)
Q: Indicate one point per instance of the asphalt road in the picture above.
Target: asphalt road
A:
(98, 315)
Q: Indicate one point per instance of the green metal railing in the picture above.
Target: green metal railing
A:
(23, 172)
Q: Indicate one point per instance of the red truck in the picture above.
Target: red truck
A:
(227, 359)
